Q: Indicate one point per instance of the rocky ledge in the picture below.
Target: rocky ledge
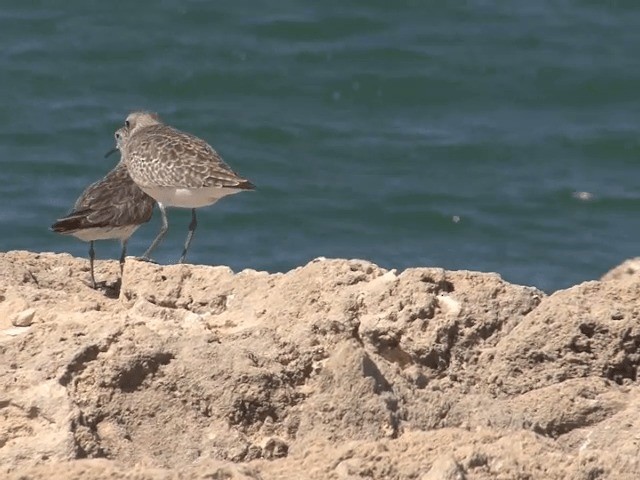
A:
(335, 370)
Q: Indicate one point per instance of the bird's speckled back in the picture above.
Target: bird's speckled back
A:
(158, 155)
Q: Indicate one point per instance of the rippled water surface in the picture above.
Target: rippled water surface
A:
(408, 133)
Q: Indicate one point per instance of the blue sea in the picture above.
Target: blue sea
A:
(482, 135)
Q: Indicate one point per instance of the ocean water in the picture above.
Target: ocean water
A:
(483, 135)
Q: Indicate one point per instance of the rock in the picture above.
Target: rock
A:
(11, 304)
(625, 269)
(445, 468)
(336, 369)
(12, 332)
(24, 318)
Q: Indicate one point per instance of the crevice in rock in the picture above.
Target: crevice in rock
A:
(275, 448)
(580, 345)
(395, 355)
(562, 426)
(627, 367)
(622, 371)
(587, 329)
(214, 306)
(370, 369)
(79, 363)
(129, 379)
(248, 411)
(384, 389)
(85, 438)
(438, 357)
(440, 286)
(87, 355)
(298, 376)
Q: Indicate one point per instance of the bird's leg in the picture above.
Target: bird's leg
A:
(163, 231)
(92, 256)
(123, 255)
(192, 229)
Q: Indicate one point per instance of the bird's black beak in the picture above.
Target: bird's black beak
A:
(113, 150)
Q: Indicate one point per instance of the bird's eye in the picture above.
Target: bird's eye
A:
(127, 123)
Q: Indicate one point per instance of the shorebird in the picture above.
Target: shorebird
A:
(110, 209)
(176, 169)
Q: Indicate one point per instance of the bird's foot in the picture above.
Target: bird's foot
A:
(110, 290)
(146, 259)
(96, 285)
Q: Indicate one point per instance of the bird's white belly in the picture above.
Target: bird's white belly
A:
(188, 197)
(105, 233)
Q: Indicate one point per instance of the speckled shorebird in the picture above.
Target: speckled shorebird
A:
(177, 169)
(110, 209)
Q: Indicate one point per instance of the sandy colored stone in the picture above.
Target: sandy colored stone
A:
(338, 369)
(627, 268)
(11, 304)
(592, 329)
(445, 467)
(23, 318)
